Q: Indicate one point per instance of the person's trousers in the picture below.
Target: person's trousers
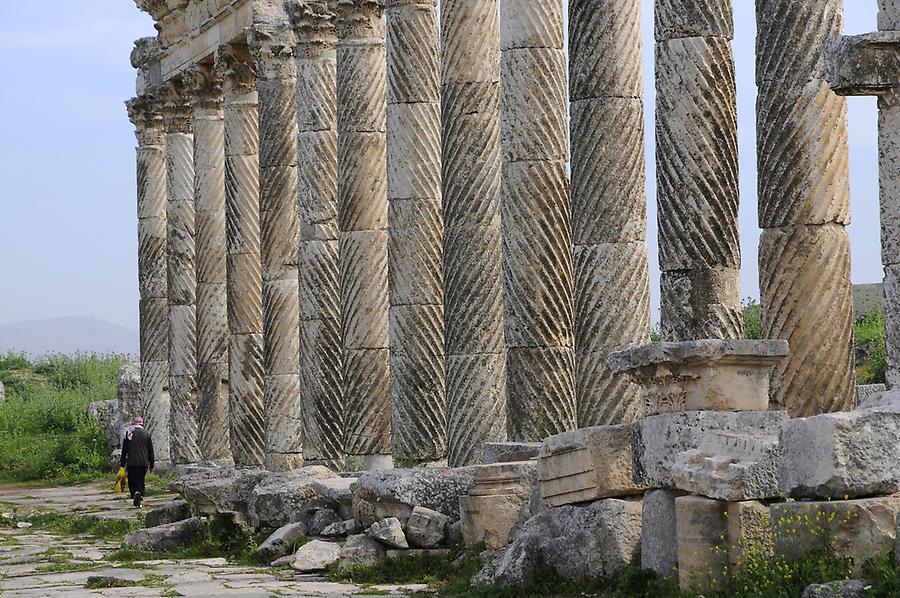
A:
(136, 477)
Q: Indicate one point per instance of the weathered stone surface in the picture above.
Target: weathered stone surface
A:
(360, 550)
(840, 455)
(426, 528)
(701, 531)
(207, 491)
(693, 18)
(388, 531)
(716, 375)
(862, 64)
(498, 500)
(341, 528)
(169, 512)
(242, 487)
(659, 546)
(281, 542)
(273, 500)
(400, 490)
(850, 588)
(749, 533)
(422, 553)
(311, 507)
(593, 541)
(505, 452)
(128, 393)
(315, 556)
(865, 392)
(165, 537)
(881, 401)
(323, 519)
(106, 414)
(587, 464)
(658, 439)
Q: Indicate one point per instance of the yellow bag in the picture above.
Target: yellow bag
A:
(120, 480)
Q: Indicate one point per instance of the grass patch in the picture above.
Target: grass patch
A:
(80, 525)
(868, 340)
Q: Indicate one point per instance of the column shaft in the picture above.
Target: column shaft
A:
(889, 175)
(609, 207)
(697, 170)
(536, 221)
(473, 311)
(804, 205)
(415, 232)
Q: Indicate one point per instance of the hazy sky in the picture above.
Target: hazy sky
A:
(68, 227)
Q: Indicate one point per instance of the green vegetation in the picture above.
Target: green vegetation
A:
(751, 311)
(45, 432)
(79, 525)
(868, 340)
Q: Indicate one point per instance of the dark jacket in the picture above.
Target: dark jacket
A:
(137, 452)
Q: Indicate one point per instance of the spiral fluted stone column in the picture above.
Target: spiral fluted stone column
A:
(697, 170)
(212, 304)
(415, 227)
(245, 340)
(182, 277)
(475, 361)
(362, 217)
(146, 114)
(536, 221)
(320, 293)
(609, 207)
(804, 206)
(273, 47)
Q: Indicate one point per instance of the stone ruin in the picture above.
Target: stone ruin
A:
(360, 248)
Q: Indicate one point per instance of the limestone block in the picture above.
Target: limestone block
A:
(315, 556)
(244, 294)
(362, 186)
(438, 489)
(888, 15)
(587, 464)
(862, 64)
(505, 452)
(367, 417)
(476, 404)
(209, 491)
(659, 546)
(701, 303)
(273, 500)
(892, 323)
(852, 529)
(414, 151)
(426, 528)
(415, 250)
(412, 52)
(165, 537)
(338, 490)
(106, 414)
(658, 439)
(282, 415)
(749, 533)
(865, 392)
(470, 41)
(280, 324)
(364, 289)
(498, 500)
(154, 316)
(701, 528)
(128, 394)
(323, 519)
(245, 405)
(247, 478)
(718, 375)
(360, 550)
(840, 455)
(389, 532)
(850, 588)
(693, 18)
(541, 389)
(279, 543)
(340, 529)
(525, 24)
(883, 400)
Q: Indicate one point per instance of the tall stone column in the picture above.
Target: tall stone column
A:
(321, 375)
(362, 217)
(182, 276)
(473, 310)
(609, 204)
(272, 45)
(146, 114)
(697, 170)
(415, 232)
(212, 304)
(245, 340)
(536, 221)
(804, 206)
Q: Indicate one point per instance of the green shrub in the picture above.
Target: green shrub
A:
(868, 337)
(751, 311)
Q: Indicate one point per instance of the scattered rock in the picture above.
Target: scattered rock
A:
(315, 556)
(274, 499)
(311, 507)
(244, 483)
(281, 542)
(114, 578)
(165, 537)
(426, 528)
(432, 553)
(389, 532)
(207, 491)
(337, 530)
(23, 525)
(869, 395)
(849, 588)
(338, 490)
(505, 452)
(394, 492)
(361, 550)
(455, 533)
(170, 512)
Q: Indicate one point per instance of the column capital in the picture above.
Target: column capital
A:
(145, 113)
(313, 22)
(204, 83)
(237, 68)
(358, 18)
(177, 109)
(864, 65)
(272, 46)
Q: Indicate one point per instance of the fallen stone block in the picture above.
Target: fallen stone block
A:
(208, 490)
(338, 490)
(315, 556)
(839, 455)
(701, 526)
(170, 512)
(337, 530)
(848, 588)
(658, 439)
(281, 542)
(499, 499)
(865, 392)
(856, 529)
(394, 492)
(506, 452)
(361, 550)
(426, 528)
(274, 499)
(166, 537)
(321, 520)
(244, 482)
(749, 533)
(587, 464)
(659, 546)
(888, 400)
(714, 375)
(389, 532)
(420, 553)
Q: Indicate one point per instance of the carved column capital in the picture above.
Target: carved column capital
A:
(205, 85)
(177, 109)
(272, 46)
(237, 69)
(313, 22)
(358, 18)
(145, 112)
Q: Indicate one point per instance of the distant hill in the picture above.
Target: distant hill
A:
(867, 296)
(68, 335)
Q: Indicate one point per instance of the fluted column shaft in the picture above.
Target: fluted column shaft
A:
(415, 232)
(321, 375)
(273, 48)
(475, 359)
(362, 217)
(804, 206)
(697, 170)
(146, 114)
(245, 348)
(609, 205)
(212, 304)
(536, 221)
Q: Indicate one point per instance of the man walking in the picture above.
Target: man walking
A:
(137, 459)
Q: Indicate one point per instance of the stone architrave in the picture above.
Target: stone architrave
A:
(415, 232)
(475, 359)
(146, 114)
(321, 375)
(536, 222)
(245, 350)
(870, 65)
(182, 276)
(804, 206)
(212, 296)
(272, 44)
(609, 205)
(697, 170)
(362, 218)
